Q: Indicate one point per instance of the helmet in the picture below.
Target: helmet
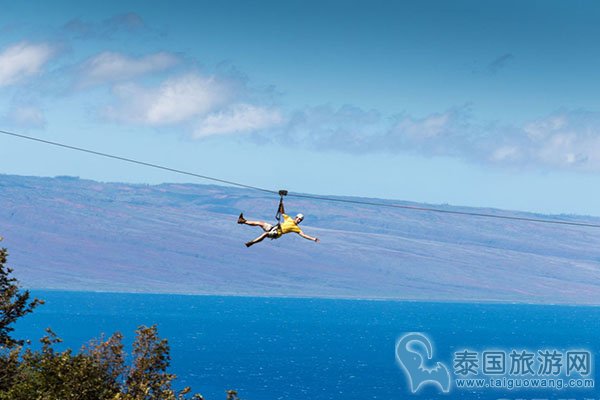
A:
(301, 216)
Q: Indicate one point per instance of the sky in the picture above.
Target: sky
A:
(484, 104)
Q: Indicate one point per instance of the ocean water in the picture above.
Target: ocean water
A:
(289, 348)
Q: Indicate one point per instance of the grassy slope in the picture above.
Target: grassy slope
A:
(83, 235)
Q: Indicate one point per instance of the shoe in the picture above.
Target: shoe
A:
(248, 244)
(241, 219)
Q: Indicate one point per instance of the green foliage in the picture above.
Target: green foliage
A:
(97, 372)
(53, 375)
(148, 378)
(14, 303)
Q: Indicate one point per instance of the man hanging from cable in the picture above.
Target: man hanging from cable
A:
(288, 225)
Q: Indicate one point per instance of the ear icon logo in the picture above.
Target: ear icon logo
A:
(414, 352)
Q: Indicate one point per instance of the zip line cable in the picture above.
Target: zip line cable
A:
(472, 214)
(311, 197)
(130, 160)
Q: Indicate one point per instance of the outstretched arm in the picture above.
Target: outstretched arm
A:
(305, 236)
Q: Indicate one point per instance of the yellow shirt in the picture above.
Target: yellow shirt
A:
(288, 225)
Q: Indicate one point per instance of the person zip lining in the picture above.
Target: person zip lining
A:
(288, 225)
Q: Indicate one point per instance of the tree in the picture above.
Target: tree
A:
(14, 303)
(148, 377)
(97, 372)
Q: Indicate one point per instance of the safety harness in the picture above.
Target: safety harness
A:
(280, 212)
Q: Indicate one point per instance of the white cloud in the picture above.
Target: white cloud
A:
(109, 67)
(324, 127)
(27, 116)
(566, 140)
(176, 100)
(23, 60)
(505, 153)
(240, 118)
(538, 130)
(563, 140)
(428, 127)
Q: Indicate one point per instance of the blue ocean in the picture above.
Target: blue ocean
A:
(293, 348)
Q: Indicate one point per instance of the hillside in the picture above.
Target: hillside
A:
(73, 234)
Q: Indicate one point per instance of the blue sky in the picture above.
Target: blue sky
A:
(473, 103)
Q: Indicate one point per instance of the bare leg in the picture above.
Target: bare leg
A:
(258, 239)
(265, 226)
(257, 223)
